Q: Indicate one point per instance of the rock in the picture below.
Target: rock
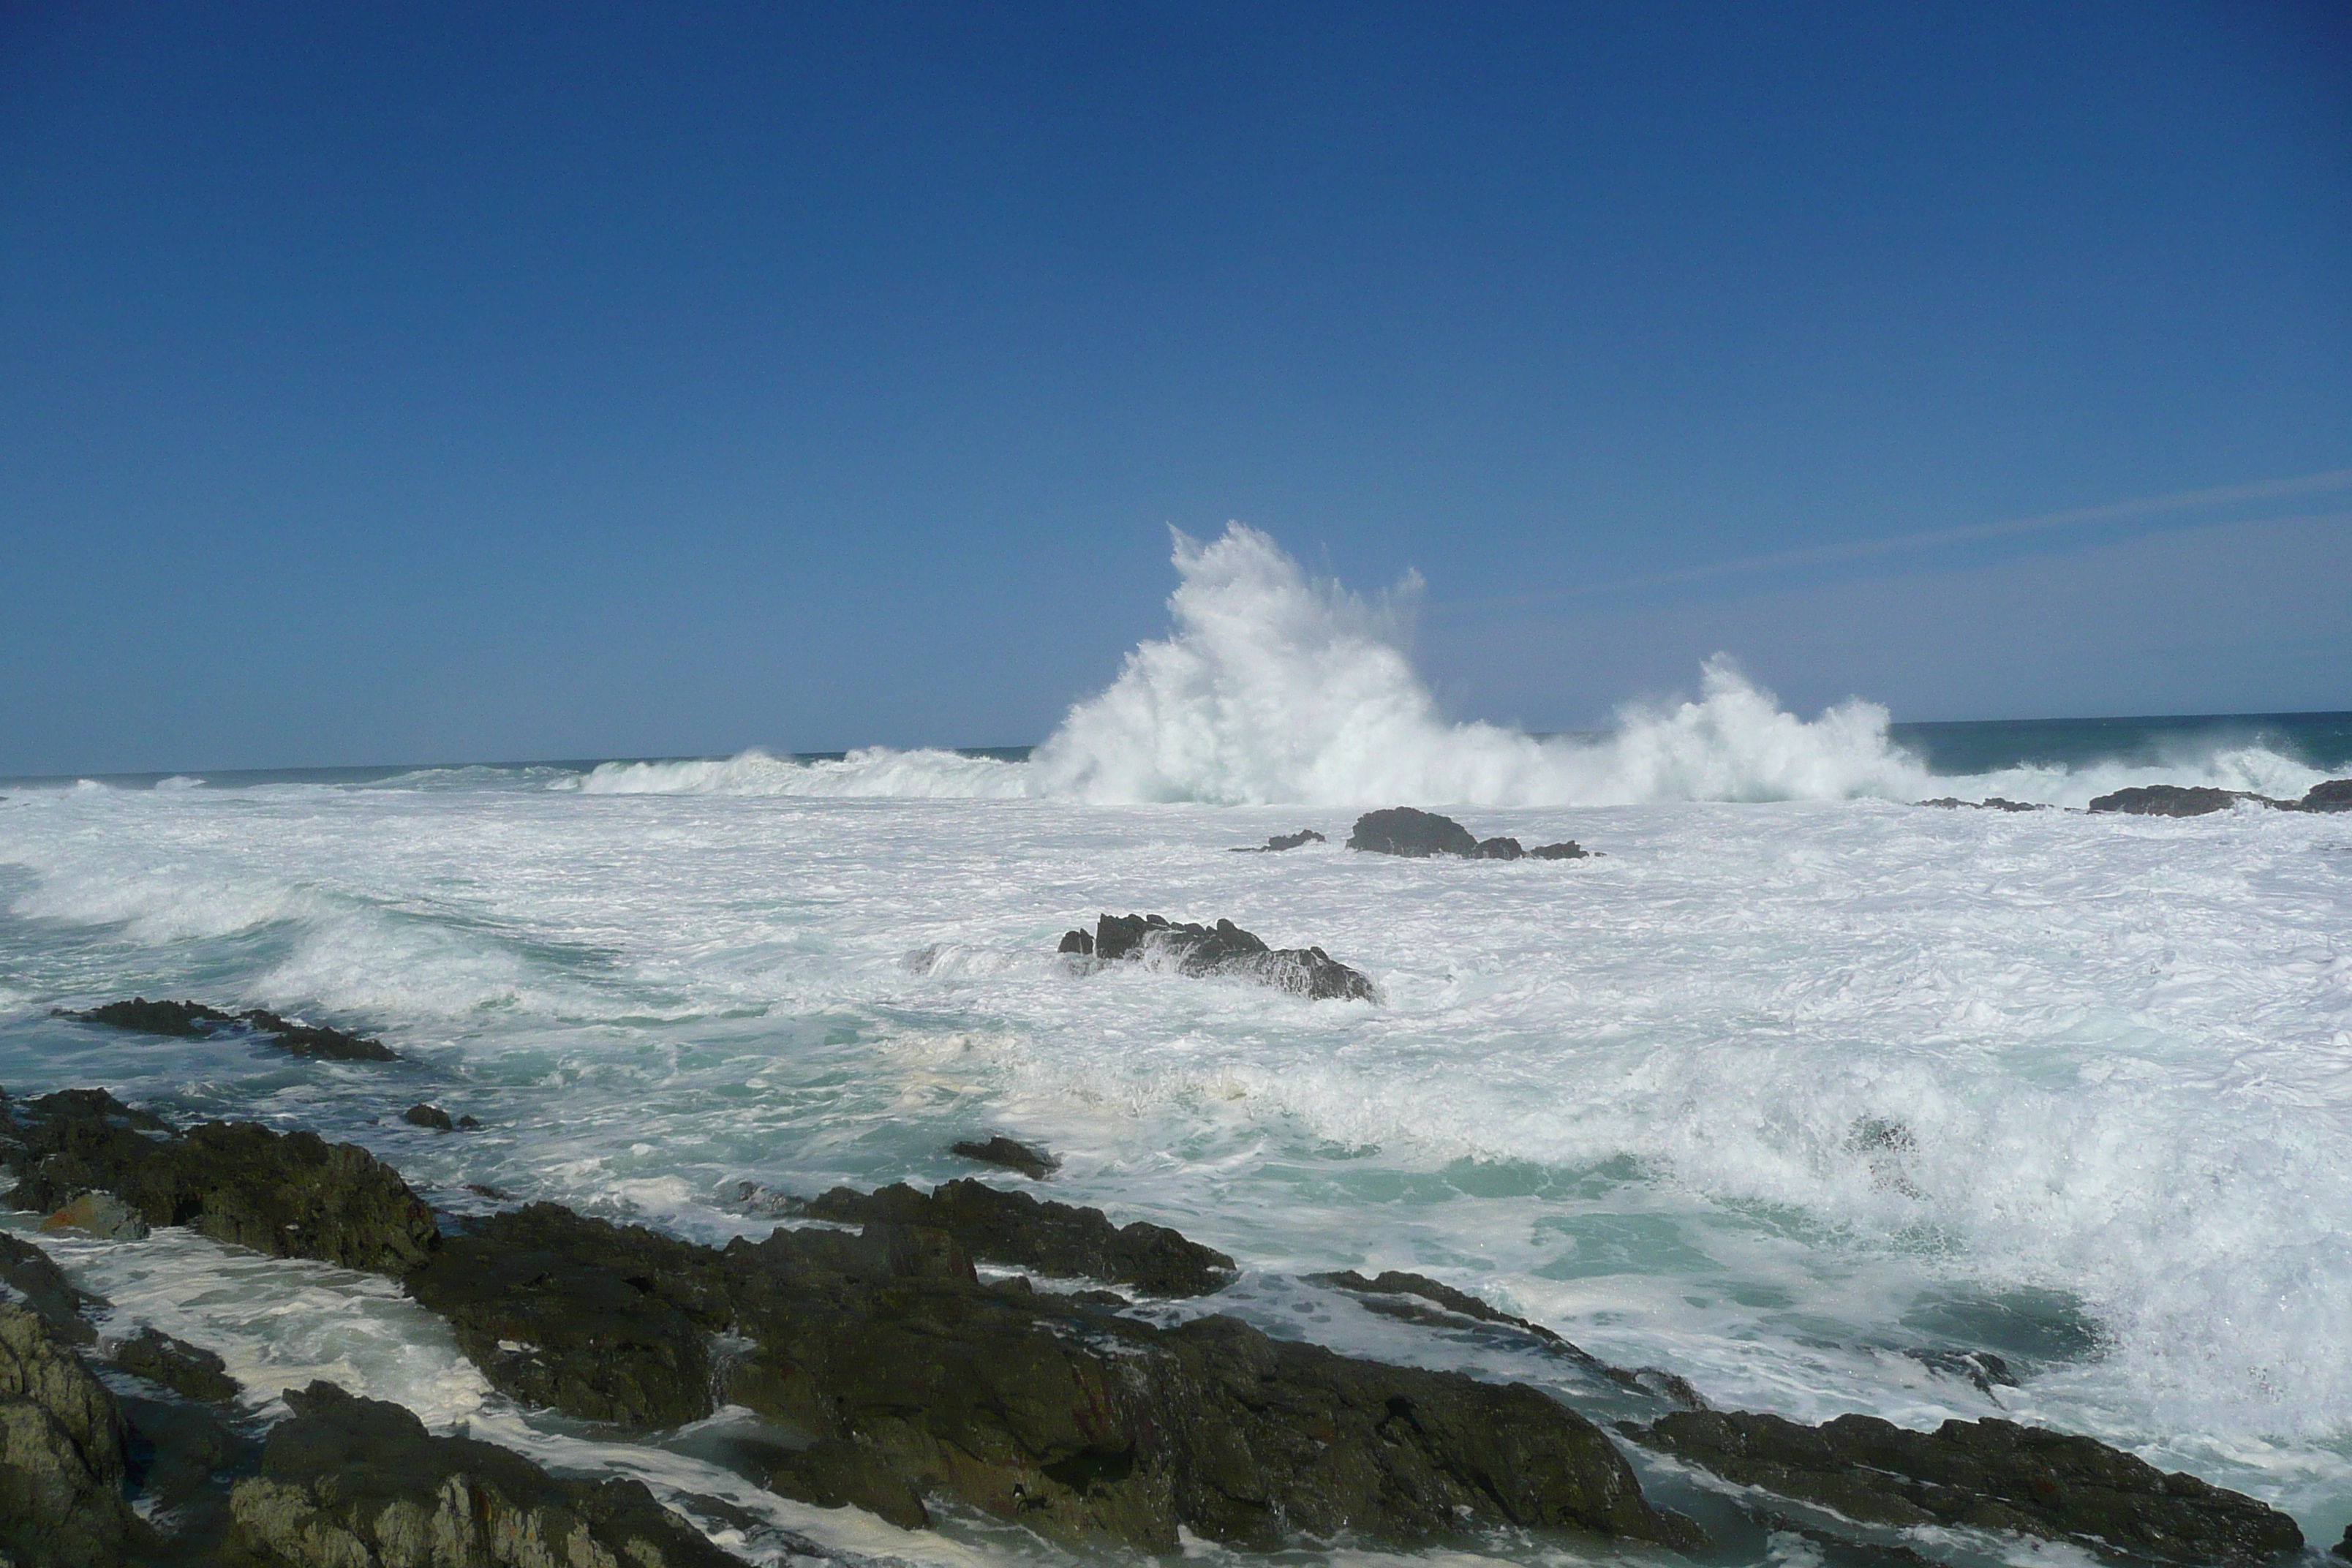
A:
(1076, 941)
(1022, 1232)
(186, 1370)
(1034, 1163)
(431, 1116)
(1225, 951)
(1982, 1475)
(352, 1482)
(831, 1473)
(2343, 1548)
(1401, 830)
(28, 1271)
(101, 1214)
(1499, 849)
(1567, 850)
(1281, 842)
(194, 1020)
(62, 1470)
(2172, 800)
(290, 1195)
(2335, 795)
(604, 1322)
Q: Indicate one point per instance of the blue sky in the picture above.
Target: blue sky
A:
(393, 383)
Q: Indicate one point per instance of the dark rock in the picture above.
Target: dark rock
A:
(484, 1190)
(1225, 951)
(1991, 803)
(62, 1470)
(1076, 941)
(186, 1370)
(1982, 1475)
(194, 1020)
(468, 1124)
(1281, 841)
(1567, 850)
(2173, 800)
(1401, 830)
(27, 1270)
(2335, 795)
(1022, 1232)
(604, 1322)
(1034, 1163)
(431, 1116)
(2344, 1547)
(831, 1473)
(101, 1214)
(358, 1481)
(290, 1195)
(1499, 849)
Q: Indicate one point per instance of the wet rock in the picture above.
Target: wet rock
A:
(2173, 800)
(1226, 950)
(604, 1322)
(1499, 849)
(1034, 1163)
(1991, 803)
(1022, 1232)
(1567, 849)
(1281, 841)
(1401, 830)
(187, 1370)
(182, 1458)
(62, 1471)
(2343, 1548)
(431, 1116)
(2335, 795)
(349, 1482)
(1982, 1475)
(290, 1195)
(831, 1473)
(101, 1214)
(194, 1020)
(1076, 941)
(29, 1272)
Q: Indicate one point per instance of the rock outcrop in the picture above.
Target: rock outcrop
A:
(1418, 835)
(2176, 800)
(41, 1286)
(1982, 1475)
(62, 1469)
(1280, 842)
(1034, 1163)
(188, 1371)
(352, 1482)
(1222, 950)
(2335, 795)
(194, 1020)
(1989, 802)
(290, 1195)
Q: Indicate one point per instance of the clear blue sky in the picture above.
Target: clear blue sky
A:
(405, 382)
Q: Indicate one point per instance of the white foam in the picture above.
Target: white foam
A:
(871, 772)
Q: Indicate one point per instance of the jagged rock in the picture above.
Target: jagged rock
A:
(1499, 849)
(2173, 800)
(1982, 1475)
(29, 1272)
(605, 1322)
(1567, 849)
(1281, 841)
(431, 1116)
(2343, 1548)
(290, 1195)
(1401, 830)
(831, 1473)
(1989, 802)
(2335, 795)
(61, 1452)
(194, 1020)
(1076, 941)
(1023, 1232)
(1225, 949)
(186, 1370)
(1034, 1163)
(350, 1482)
(101, 1214)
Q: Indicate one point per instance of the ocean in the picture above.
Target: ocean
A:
(1797, 1089)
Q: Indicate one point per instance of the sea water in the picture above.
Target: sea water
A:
(1794, 1089)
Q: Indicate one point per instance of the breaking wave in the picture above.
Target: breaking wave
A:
(874, 771)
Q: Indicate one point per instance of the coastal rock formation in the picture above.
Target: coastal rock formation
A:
(62, 1468)
(101, 1214)
(1403, 830)
(1022, 1232)
(42, 1287)
(1225, 950)
(290, 1195)
(194, 1020)
(2335, 795)
(350, 1482)
(2176, 800)
(1989, 802)
(1034, 1163)
(186, 1370)
(1281, 841)
(1981, 1475)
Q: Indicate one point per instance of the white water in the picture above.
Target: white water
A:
(1649, 1100)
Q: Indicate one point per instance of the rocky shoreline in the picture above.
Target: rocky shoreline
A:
(897, 1380)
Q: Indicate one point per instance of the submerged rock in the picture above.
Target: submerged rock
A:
(62, 1469)
(1989, 802)
(1225, 951)
(1567, 849)
(1023, 1232)
(2173, 800)
(1499, 849)
(186, 1370)
(1281, 841)
(431, 1116)
(101, 1214)
(349, 1482)
(1034, 1163)
(1403, 830)
(194, 1020)
(290, 1195)
(1982, 1475)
